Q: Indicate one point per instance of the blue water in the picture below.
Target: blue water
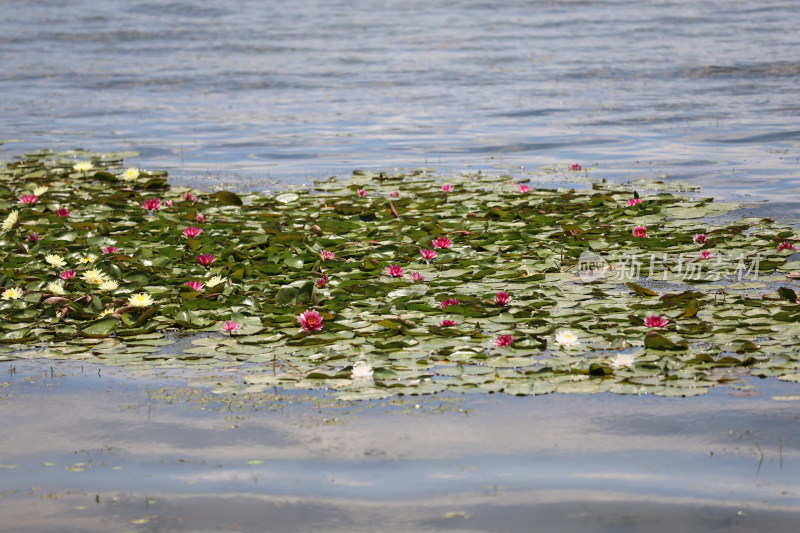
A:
(251, 91)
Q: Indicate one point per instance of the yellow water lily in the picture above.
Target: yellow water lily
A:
(55, 287)
(38, 191)
(216, 280)
(130, 174)
(83, 166)
(141, 299)
(109, 285)
(94, 276)
(88, 258)
(107, 311)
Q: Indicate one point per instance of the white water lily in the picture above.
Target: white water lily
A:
(361, 370)
(56, 287)
(622, 360)
(11, 220)
(141, 299)
(55, 260)
(109, 285)
(94, 276)
(130, 174)
(12, 294)
(216, 280)
(83, 166)
(566, 338)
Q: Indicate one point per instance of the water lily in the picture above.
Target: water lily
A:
(67, 274)
(786, 246)
(109, 285)
(442, 242)
(502, 298)
(361, 370)
(622, 360)
(575, 166)
(83, 166)
(699, 238)
(321, 282)
(151, 204)
(634, 201)
(94, 276)
(189, 197)
(29, 199)
(200, 217)
(192, 231)
(523, 189)
(450, 301)
(640, 231)
(141, 299)
(310, 321)
(206, 259)
(447, 323)
(130, 174)
(504, 340)
(34, 237)
(417, 277)
(11, 220)
(110, 250)
(566, 338)
(63, 212)
(195, 285)
(107, 311)
(40, 190)
(229, 326)
(55, 260)
(169, 202)
(447, 187)
(56, 287)
(13, 294)
(656, 321)
(326, 255)
(428, 255)
(394, 271)
(362, 193)
(88, 258)
(705, 254)
(394, 194)
(216, 280)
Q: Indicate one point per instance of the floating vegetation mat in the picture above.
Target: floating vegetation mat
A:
(383, 285)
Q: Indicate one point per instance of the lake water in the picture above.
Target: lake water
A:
(251, 92)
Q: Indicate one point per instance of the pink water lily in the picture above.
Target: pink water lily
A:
(29, 199)
(326, 255)
(502, 298)
(634, 201)
(447, 187)
(394, 194)
(699, 238)
(656, 321)
(200, 217)
(63, 212)
(786, 246)
(362, 193)
(575, 166)
(151, 204)
(189, 197)
(394, 271)
(450, 301)
(417, 277)
(67, 274)
(206, 259)
(640, 231)
(447, 323)
(310, 321)
(523, 189)
(321, 282)
(230, 326)
(705, 254)
(110, 249)
(442, 242)
(504, 340)
(192, 231)
(195, 285)
(428, 255)
(34, 237)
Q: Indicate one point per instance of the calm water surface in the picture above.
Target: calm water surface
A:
(249, 92)
(702, 91)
